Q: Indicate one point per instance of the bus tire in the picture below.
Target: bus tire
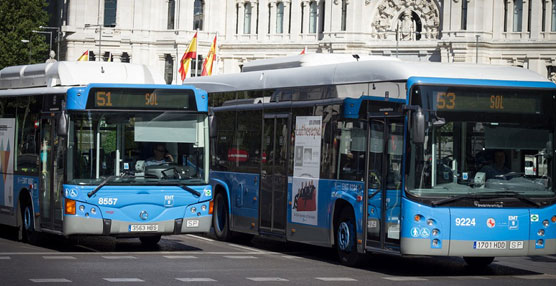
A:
(346, 239)
(220, 218)
(150, 241)
(27, 227)
(478, 262)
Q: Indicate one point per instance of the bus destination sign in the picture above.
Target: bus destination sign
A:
(482, 102)
(130, 98)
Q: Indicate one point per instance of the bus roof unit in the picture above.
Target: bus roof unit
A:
(360, 72)
(75, 74)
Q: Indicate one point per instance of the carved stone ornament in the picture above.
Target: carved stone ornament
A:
(388, 19)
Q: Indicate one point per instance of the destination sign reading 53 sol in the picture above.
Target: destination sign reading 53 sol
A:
(141, 98)
(486, 102)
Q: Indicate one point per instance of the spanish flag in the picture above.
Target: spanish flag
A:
(190, 53)
(209, 60)
(84, 57)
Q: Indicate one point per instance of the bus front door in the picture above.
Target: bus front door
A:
(274, 178)
(51, 175)
(384, 181)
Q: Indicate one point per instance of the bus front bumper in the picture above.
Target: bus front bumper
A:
(74, 225)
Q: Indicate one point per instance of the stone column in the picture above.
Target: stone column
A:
(525, 16)
(296, 17)
(286, 24)
(272, 10)
(305, 5)
(254, 17)
(263, 18)
(240, 16)
(536, 18)
(510, 16)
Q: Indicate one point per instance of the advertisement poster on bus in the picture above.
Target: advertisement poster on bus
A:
(7, 152)
(308, 133)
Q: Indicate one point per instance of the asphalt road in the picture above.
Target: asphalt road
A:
(200, 260)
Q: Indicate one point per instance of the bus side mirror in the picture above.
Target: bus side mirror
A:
(62, 124)
(418, 127)
(212, 126)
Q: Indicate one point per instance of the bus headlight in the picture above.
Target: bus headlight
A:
(82, 208)
(540, 232)
(435, 232)
(545, 223)
(430, 221)
(540, 242)
(193, 209)
(203, 207)
(93, 211)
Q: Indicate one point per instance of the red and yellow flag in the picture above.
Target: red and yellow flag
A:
(209, 60)
(190, 53)
(84, 57)
(303, 51)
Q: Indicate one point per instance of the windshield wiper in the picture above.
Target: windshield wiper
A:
(510, 194)
(487, 195)
(106, 181)
(183, 186)
(453, 199)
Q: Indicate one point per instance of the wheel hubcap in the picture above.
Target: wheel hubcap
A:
(344, 236)
(27, 218)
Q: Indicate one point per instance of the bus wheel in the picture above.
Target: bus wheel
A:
(220, 218)
(346, 239)
(27, 227)
(478, 261)
(150, 241)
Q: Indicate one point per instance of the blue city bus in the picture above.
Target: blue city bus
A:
(124, 157)
(374, 154)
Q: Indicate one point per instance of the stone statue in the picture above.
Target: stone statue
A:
(553, 77)
(51, 57)
(406, 27)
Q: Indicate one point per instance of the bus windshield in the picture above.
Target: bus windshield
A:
(138, 148)
(483, 143)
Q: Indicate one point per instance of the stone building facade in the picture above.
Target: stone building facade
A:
(157, 32)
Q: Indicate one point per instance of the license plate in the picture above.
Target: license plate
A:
(490, 244)
(518, 244)
(192, 223)
(143, 227)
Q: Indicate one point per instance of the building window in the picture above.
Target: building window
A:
(107, 57)
(344, 15)
(543, 19)
(92, 56)
(529, 17)
(168, 68)
(464, 14)
(313, 17)
(196, 69)
(518, 15)
(171, 14)
(110, 13)
(198, 14)
(247, 18)
(280, 18)
(553, 23)
(125, 57)
(505, 16)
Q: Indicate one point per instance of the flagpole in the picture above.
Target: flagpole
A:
(177, 61)
(197, 54)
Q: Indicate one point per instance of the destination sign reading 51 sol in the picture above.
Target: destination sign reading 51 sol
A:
(141, 98)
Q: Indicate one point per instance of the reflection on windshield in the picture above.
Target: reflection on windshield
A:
(478, 154)
(137, 148)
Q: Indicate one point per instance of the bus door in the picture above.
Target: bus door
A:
(52, 154)
(274, 176)
(384, 180)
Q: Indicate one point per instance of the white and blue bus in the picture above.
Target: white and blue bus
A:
(91, 148)
(382, 155)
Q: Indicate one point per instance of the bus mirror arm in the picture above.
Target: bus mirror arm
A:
(62, 124)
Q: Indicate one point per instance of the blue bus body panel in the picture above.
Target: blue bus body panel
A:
(126, 205)
(243, 194)
(461, 230)
(77, 96)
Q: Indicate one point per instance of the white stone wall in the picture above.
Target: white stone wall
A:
(372, 27)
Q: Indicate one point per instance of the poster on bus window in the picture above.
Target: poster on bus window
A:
(308, 134)
(7, 153)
